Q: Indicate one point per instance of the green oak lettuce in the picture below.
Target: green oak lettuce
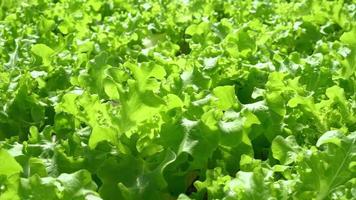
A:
(181, 99)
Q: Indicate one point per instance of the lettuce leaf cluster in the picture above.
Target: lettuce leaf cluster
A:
(179, 99)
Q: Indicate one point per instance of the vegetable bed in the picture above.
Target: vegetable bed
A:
(177, 99)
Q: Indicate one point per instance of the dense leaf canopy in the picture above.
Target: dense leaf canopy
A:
(177, 99)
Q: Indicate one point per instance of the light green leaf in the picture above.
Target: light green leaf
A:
(226, 97)
(44, 52)
(285, 150)
(9, 165)
(100, 133)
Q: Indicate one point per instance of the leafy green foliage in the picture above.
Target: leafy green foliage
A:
(182, 99)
